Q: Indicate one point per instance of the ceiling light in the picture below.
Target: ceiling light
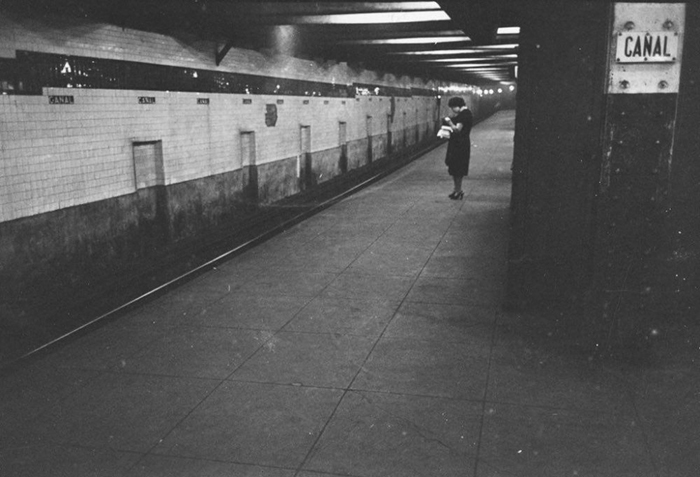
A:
(466, 51)
(410, 41)
(462, 60)
(373, 18)
(480, 65)
(502, 46)
(508, 31)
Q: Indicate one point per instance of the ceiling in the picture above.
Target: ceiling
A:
(470, 41)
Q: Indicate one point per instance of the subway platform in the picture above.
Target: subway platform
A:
(368, 340)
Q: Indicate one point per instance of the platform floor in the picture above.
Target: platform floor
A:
(367, 341)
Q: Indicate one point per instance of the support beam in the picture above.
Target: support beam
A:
(220, 55)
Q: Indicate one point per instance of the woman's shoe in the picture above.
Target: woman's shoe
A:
(456, 195)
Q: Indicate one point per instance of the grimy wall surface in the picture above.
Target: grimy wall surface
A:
(118, 145)
(605, 194)
(557, 152)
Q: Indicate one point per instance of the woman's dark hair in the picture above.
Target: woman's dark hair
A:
(456, 101)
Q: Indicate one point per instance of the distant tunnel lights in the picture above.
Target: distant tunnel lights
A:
(426, 40)
(465, 51)
(374, 18)
(462, 60)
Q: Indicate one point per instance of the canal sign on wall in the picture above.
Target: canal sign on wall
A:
(646, 48)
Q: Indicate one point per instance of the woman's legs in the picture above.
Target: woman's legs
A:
(457, 194)
(458, 183)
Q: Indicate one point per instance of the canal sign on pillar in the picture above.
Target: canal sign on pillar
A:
(646, 48)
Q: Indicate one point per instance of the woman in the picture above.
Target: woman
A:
(459, 146)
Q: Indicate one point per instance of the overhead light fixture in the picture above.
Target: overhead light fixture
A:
(481, 65)
(463, 60)
(373, 18)
(409, 41)
(465, 51)
(508, 31)
(480, 70)
(503, 46)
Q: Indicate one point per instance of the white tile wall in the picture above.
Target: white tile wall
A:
(56, 156)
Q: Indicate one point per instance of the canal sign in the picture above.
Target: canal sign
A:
(647, 47)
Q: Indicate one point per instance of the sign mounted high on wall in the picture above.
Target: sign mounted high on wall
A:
(649, 47)
(646, 46)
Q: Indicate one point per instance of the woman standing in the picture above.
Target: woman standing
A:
(459, 146)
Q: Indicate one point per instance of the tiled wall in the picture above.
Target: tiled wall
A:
(58, 153)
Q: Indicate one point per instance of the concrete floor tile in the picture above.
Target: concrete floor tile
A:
(458, 323)
(258, 312)
(409, 233)
(201, 352)
(308, 229)
(462, 241)
(163, 466)
(165, 311)
(455, 291)
(345, 240)
(390, 259)
(52, 461)
(365, 228)
(323, 474)
(105, 347)
(172, 308)
(288, 258)
(255, 424)
(254, 260)
(536, 442)
(386, 435)
(201, 291)
(309, 359)
(121, 412)
(33, 389)
(430, 211)
(355, 285)
(485, 269)
(347, 316)
(391, 246)
(216, 283)
(458, 249)
(429, 368)
(464, 230)
(289, 283)
(317, 257)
